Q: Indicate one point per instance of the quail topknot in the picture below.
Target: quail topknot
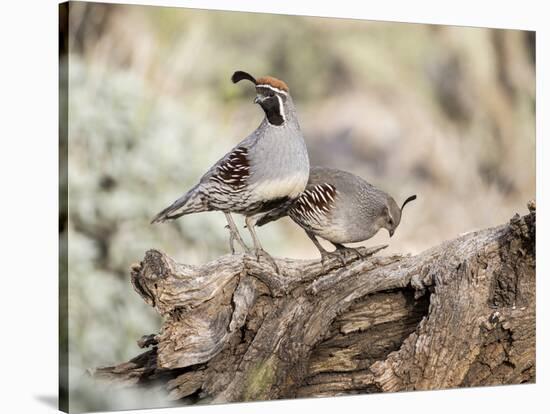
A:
(340, 207)
(268, 168)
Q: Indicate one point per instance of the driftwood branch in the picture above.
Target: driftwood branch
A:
(459, 314)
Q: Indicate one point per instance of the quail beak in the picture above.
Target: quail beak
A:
(257, 100)
(391, 232)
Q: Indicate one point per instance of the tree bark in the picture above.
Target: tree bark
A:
(459, 314)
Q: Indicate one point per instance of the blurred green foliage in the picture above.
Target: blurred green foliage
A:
(443, 112)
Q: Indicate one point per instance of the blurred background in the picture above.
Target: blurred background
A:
(447, 113)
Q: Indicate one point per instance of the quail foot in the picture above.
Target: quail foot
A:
(268, 168)
(340, 207)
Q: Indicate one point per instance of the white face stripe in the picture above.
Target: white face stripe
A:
(281, 108)
(272, 88)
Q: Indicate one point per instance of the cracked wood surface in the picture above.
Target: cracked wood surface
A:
(459, 314)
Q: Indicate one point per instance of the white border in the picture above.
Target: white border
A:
(28, 159)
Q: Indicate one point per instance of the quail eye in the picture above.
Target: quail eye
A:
(270, 93)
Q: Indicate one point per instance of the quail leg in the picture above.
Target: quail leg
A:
(324, 254)
(234, 234)
(343, 250)
(258, 249)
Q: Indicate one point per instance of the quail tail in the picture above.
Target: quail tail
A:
(190, 202)
(275, 214)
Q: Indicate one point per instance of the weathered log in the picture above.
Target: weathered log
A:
(459, 314)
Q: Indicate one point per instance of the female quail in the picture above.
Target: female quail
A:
(340, 207)
(269, 167)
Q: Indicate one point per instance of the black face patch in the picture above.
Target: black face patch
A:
(273, 110)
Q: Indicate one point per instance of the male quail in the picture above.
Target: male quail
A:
(340, 207)
(269, 167)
